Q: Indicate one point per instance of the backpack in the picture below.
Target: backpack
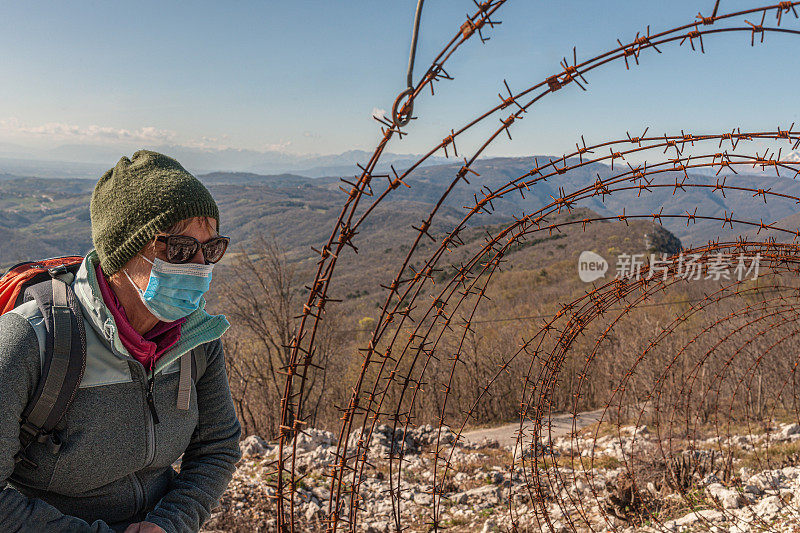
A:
(48, 282)
(65, 344)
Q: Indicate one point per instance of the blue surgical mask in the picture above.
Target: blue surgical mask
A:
(174, 290)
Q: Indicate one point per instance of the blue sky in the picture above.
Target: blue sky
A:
(305, 76)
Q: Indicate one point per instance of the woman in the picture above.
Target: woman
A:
(154, 229)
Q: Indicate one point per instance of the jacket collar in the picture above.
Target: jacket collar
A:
(199, 328)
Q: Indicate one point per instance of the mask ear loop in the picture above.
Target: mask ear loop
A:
(141, 293)
(135, 286)
(125, 271)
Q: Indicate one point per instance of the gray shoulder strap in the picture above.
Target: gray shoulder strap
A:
(185, 382)
(59, 364)
(193, 365)
(64, 364)
(199, 361)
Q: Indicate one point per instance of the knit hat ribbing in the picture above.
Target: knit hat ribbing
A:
(139, 198)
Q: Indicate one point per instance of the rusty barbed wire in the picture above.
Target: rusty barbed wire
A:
(416, 342)
(537, 222)
(292, 403)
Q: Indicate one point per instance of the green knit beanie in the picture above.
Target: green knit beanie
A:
(137, 199)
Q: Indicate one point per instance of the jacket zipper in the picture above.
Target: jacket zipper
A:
(140, 501)
(150, 387)
(151, 417)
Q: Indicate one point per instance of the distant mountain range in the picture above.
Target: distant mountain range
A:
(86, 161)
(427, 185)
(90, 161)
(51, 216)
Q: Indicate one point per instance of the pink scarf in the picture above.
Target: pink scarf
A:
(145, 348)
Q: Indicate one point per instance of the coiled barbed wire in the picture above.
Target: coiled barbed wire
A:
(395, 361)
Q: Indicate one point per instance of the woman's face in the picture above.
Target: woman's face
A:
(139, 269)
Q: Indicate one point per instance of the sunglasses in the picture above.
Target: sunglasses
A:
(182, 248)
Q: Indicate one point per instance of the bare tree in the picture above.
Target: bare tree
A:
(260, 299)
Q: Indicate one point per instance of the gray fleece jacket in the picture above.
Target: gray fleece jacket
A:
(115, 464)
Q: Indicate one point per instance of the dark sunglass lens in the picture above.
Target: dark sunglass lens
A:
(214, 249)
(181, 249)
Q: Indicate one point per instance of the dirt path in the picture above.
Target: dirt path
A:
(561, 425)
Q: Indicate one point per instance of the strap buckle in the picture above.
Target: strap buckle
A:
(57, 270)
(29, 434)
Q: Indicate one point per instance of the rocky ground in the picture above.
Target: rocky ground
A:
(617, 481)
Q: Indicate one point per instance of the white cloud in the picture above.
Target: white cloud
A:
(60, 131)
(277, 147)
(15, 130)
(205, 142)
(378, 112)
